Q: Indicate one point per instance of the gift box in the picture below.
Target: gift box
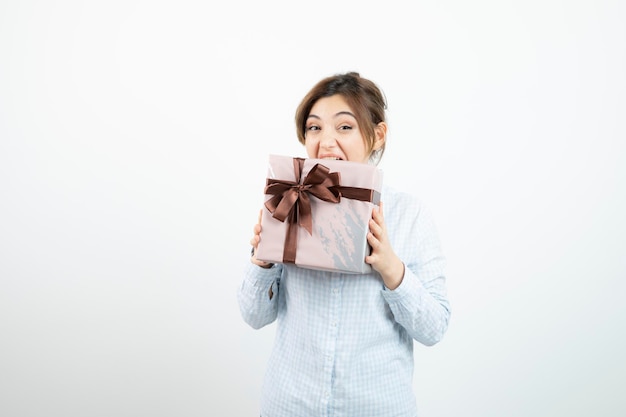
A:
(316, 213)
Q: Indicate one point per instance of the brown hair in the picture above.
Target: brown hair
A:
(362, 95)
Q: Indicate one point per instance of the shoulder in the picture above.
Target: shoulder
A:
(405, 208)
(402, 200)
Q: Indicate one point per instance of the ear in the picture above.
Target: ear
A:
(381, 135)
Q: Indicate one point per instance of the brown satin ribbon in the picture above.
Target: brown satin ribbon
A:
(291, 200)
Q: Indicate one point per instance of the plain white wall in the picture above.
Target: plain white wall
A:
(133, 143)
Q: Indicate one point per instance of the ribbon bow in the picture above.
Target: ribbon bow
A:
(291, 198)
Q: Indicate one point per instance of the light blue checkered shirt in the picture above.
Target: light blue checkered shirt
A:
(344, 343)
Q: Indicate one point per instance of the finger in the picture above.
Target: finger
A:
(375, 228)
(372, 258)
(373, 241)
(377, 215)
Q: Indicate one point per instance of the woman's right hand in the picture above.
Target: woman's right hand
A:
(256, 238)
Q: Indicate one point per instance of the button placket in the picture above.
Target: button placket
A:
(333, 331)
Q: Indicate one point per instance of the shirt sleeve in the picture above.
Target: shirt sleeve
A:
(420, 302)
(253, 295)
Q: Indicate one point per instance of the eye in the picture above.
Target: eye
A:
(313, 127)
(345, 127)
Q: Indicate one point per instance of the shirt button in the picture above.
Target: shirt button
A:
(334, 324)
(335, 291)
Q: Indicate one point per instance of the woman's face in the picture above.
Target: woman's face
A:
(332, 131)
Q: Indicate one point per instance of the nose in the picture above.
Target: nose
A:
(328, 139)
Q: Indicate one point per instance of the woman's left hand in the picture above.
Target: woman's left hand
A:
(382, 258)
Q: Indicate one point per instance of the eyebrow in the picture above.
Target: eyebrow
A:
(341, 113)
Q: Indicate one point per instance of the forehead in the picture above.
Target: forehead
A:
(332, 106)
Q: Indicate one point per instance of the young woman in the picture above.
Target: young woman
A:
(344, 343)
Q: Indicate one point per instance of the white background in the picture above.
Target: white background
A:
(133, 143)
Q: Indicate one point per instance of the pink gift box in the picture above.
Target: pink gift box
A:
(317, 211)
